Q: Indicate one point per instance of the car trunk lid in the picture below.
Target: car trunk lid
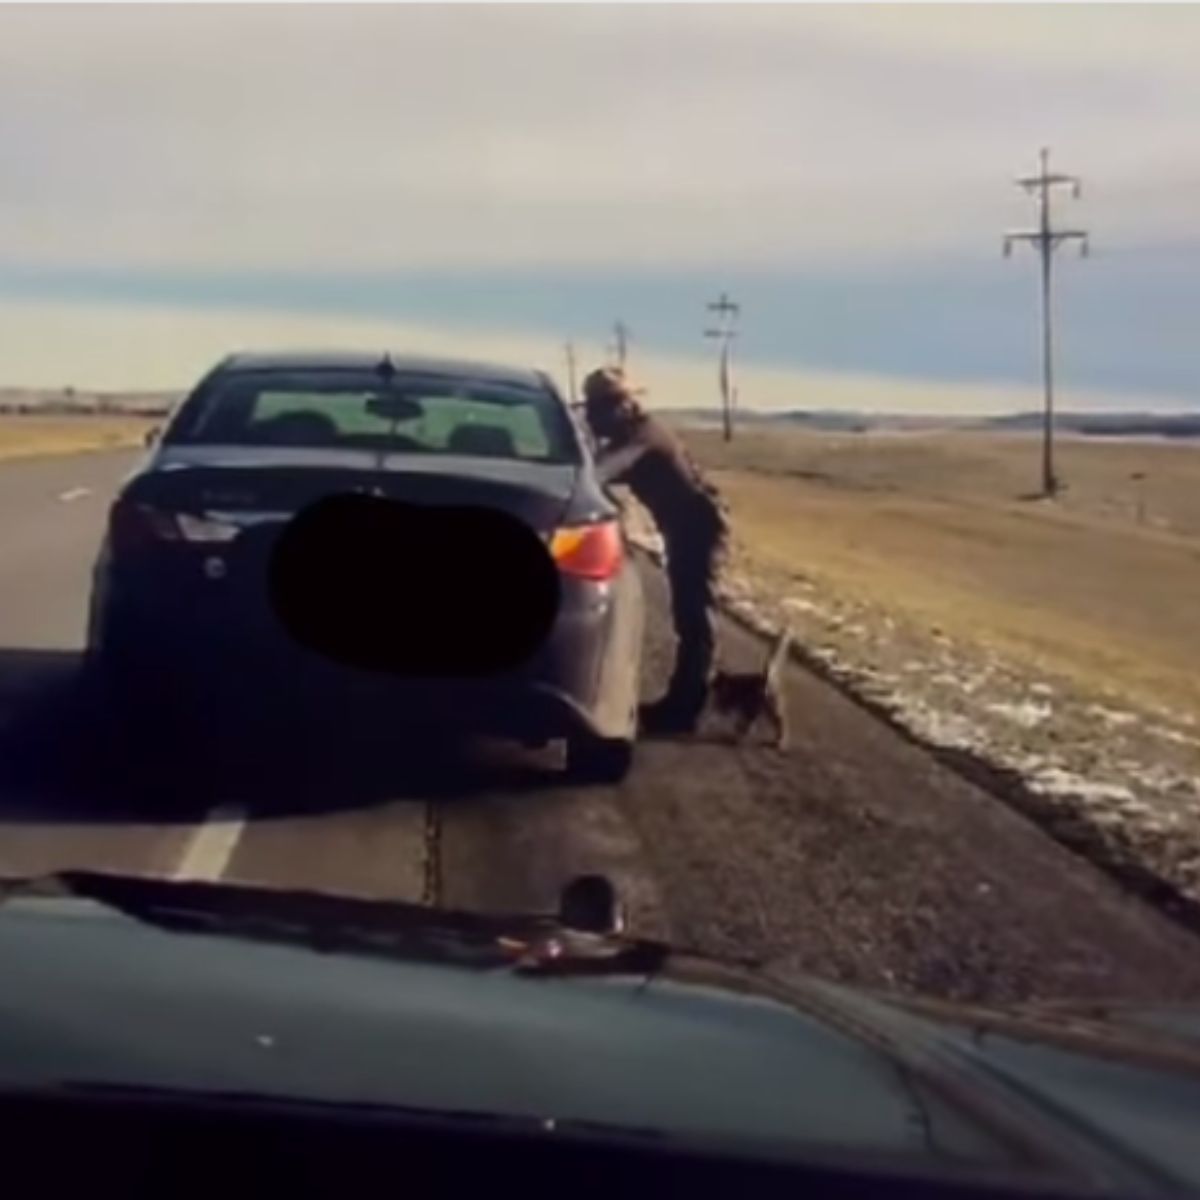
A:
(247, 486)
(206, 521)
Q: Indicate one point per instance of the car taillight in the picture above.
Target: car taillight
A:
(134, 527)
(588, 551)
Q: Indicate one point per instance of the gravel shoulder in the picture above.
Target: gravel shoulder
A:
(858, 856)
(1046, 650)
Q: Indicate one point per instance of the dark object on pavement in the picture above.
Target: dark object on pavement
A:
(590, 903)
(641, 452)
(181, 618)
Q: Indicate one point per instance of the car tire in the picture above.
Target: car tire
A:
(138, 705)
(593, 759)
(142, 697)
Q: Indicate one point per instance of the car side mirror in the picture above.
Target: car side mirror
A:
(151, 436)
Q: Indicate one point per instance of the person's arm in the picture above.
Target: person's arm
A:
(612, 465)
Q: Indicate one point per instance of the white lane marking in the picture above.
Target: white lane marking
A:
(211, 847)
(75, 493)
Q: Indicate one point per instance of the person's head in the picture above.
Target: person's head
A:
(610, 401)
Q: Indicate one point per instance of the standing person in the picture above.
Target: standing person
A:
(640, 451)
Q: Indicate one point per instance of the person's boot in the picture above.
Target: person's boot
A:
(669, 715)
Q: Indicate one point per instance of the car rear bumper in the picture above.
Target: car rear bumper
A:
(583, 679)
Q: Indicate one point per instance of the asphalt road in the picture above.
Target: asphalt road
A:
(855, 855)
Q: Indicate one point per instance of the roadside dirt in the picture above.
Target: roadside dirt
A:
(1049, 650)
(31, 436)
(859, 857)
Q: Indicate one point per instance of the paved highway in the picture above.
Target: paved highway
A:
(855, 855)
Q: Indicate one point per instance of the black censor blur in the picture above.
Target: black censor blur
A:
(638, 450)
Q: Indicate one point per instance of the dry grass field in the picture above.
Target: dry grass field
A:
(1056, 643)
(24, 436)
(1101, 585)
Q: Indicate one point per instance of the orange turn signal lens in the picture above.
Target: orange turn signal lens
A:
(588, 551)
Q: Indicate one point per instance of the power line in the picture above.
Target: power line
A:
(727, 314)
(1047, 239)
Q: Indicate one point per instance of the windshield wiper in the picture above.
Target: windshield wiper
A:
(530, 944)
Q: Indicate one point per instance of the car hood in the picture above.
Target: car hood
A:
(418, 1010)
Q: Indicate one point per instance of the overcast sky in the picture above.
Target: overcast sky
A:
(476, 174)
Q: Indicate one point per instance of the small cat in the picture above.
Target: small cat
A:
(748, 696)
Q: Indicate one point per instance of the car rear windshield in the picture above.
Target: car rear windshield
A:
(341, 409)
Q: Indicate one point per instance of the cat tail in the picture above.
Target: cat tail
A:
(779, 655)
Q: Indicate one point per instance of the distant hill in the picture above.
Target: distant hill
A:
(822, 419)
(66, 401)
(1119, 424)
(1107, 424)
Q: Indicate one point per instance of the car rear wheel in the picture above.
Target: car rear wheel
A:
(144, 694)
(139, 701)
(598, 760)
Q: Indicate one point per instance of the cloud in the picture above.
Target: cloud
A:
(278, 136)
(56, 344)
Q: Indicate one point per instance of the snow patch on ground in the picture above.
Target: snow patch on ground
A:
(1056, 781)
(1112, 716)
(797, 604)
(1027, 713)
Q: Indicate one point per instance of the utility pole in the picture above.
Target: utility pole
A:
(727, 314)
(1139, 479)
(620, 346)
(1047, 239)
(572, 395)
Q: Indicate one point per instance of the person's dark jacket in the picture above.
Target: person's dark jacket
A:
(652, 462)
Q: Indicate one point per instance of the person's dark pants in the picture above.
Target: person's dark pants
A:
(692, 567)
